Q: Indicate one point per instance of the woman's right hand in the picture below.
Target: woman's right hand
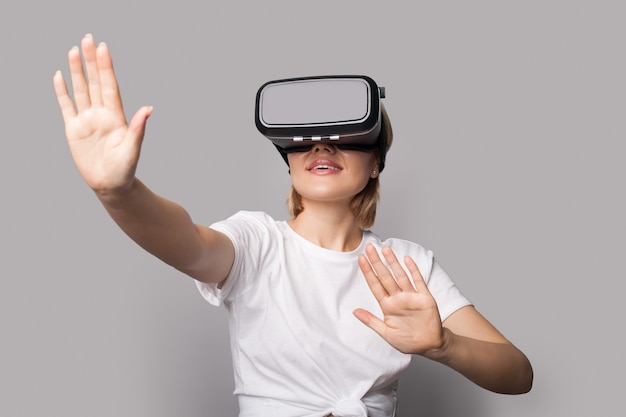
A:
(104, 147)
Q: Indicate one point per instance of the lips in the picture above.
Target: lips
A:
(323, 165)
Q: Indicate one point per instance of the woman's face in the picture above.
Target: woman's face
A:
(326, 173)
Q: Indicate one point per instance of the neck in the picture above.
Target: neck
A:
(328, 226)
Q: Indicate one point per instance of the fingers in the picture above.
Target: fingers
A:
(380, 279)
(110, 92)
(402, 279)
(93, 73)
(418, 279)
(63, 98)
(95, 84)
(371, 278)
(79, 82)
(383, 275)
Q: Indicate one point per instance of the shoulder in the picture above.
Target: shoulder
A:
(399, 246)
(246, 220)
(250, 231)
(423, 257)
(252, 216)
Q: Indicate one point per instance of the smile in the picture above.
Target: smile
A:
(325, 167)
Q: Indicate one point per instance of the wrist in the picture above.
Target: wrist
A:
(439, 354)
(116, 195)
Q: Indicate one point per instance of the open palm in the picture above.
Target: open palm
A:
(104, 147)
(411, 321)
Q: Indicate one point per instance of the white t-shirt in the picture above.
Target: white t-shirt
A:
(297, 349)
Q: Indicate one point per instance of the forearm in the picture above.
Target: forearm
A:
(160, 226)
(498, 367)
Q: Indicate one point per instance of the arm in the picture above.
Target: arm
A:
(466, 341)
(106, 149)
(476, 349)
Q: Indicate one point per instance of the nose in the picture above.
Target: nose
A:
(324, 147)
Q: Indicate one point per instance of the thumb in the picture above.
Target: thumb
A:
(137, 126)
(370, 321)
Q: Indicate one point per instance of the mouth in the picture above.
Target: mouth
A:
(324, 168)
(324, 165)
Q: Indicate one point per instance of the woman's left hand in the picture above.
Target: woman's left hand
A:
(411, 321)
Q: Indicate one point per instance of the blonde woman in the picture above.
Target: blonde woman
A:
(324, 315)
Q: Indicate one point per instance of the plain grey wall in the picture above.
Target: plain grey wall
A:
(508, 162)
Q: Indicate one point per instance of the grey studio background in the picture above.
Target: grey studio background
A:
(508, 162)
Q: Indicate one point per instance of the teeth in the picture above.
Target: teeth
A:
(326, 167)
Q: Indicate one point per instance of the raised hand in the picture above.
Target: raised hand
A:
(411, 321)
(104, 147)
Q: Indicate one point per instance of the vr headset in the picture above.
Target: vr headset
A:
(343, 110)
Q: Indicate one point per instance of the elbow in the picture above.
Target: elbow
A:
(521, 382)
(526, 376)
(526, 380)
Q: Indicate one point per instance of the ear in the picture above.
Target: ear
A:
(374, 173)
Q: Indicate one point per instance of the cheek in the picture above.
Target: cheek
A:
(365, 162)
(295, 164)
(295, 158)
(294, 172)
(362, 164)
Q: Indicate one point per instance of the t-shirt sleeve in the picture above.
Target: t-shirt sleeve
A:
(447, 295)
(250, 233)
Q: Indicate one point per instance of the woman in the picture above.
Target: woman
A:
(293, 288)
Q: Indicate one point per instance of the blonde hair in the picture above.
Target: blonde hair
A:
(364, 203)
